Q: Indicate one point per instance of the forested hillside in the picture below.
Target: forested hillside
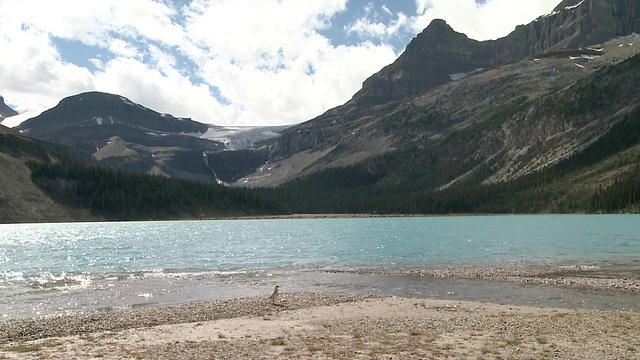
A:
(562, 188)
(600, 176)
(113, 194)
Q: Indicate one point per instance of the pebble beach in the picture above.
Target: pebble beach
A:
(311, 325)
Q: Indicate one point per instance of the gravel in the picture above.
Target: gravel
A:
(69, 325)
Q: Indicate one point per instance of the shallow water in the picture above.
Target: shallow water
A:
(48, 269)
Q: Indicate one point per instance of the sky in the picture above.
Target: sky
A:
(223, 62)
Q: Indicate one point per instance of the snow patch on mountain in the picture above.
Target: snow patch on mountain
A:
(239, 138)
(573, 6)
(460, 76)
(16, 120)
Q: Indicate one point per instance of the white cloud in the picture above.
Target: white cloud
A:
(252, 33)
(97, 63)
(163, 90)
(218, 61)
(481, 21)
(32, 71)
(94, 22)
(370, 27)
(123, 48)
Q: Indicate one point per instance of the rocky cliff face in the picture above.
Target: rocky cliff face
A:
(439, 54)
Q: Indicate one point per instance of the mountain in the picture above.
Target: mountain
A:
(439, 55)
(85, 114)
(546, 119)
(115, 132)
(5, 111)
(456, 113)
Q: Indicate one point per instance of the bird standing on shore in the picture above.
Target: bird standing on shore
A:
(275, 293)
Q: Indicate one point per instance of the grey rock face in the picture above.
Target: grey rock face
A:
(439, 52)
(440, 55)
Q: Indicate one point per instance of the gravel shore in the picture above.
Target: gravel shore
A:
(349, 325)
(330, 326)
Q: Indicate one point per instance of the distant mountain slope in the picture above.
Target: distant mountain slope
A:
(120, 134)
(5, 111)
(115, 132)
(87, 113)
(20, 199)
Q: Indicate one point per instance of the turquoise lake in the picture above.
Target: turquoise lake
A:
(49, 269)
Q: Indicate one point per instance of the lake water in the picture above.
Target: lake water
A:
(48, 269)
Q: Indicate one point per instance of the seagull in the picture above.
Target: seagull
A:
(275, 293)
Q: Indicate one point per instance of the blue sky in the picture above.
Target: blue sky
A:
(225, 62)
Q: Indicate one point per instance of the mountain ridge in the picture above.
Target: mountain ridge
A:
(113, 131)
(572, 24)
(423, 68)
(97, 109)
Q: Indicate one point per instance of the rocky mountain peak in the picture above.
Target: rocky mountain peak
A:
(437, 37)
(437, 28)
(440, 54)
(431, 59)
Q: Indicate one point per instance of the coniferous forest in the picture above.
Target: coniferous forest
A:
(117, 195)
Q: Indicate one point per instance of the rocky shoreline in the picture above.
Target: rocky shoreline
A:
(627, 279)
